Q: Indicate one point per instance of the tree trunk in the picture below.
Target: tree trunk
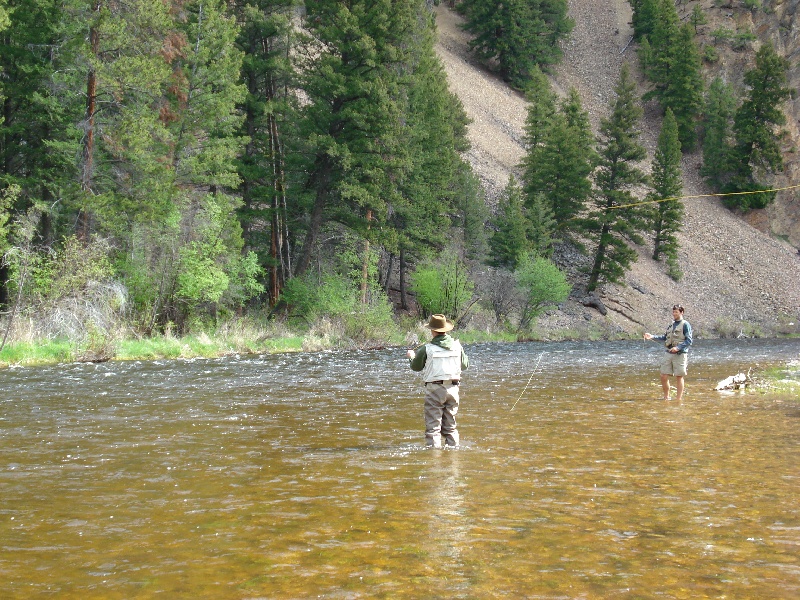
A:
(599, 257)
(91, 110)
(322, 183)
(403, 299)
(365, 264)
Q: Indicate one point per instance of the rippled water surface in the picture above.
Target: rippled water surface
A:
(305, 476)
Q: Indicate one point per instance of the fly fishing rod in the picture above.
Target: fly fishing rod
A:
(535, 371)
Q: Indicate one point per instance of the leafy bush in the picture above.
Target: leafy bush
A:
(443, 285)
(311, 298)
(543, 286)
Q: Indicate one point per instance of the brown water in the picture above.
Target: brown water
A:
(304, 476)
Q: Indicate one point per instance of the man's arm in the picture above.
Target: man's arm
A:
(420, 356)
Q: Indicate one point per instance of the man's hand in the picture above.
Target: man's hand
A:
(648, 336)
(410, 354)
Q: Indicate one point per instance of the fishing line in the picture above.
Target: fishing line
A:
(791, 187)
(535, 371)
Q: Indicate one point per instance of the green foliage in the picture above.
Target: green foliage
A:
(698, 17)
(616, 224)
(558, 165)
(753, 5)
(474, 213)
(70, 270)
(311, 297)
(4, 20)
(443, 285)
(543, 286)
(710, 54)
(756, 152)
(509, 241)
(672, 62)
(666, 182)
(718, 139)
(541, 226)
(8, 197)
(645, 17)
(519, 34)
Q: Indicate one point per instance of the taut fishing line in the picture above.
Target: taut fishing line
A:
(535, 371)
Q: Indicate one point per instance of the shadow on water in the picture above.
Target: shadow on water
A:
(300, 476)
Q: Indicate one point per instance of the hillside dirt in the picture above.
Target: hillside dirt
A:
(735, 277)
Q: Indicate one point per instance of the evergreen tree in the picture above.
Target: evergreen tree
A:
(475, 213)
(542, 105)
(616, 224)
(432, 187)
(510, 239)
(541, 225)
(698, 17)
(350, 121)
(38, 140)
(266, 39)
(645, 17)
(718, 139)
(667, 186)
(756, 151)
(567, 162)
(683, 93)
(519, 34)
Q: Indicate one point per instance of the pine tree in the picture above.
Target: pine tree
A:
(541, 225)
(667, 187)
(616, 224)
(519, 34)
(683, 93)
(432, 189)
(698, 17)
(718, 139)
(645, 17)
(350, 121)
(756, 152)
(510, 238)
(38, 140)
(267, 38)
(570, 158)
(542, 105)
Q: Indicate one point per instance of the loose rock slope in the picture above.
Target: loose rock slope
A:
(735, 277)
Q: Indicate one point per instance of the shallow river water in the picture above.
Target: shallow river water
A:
(305, 476)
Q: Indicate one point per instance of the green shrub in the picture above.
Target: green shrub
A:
(443, 285)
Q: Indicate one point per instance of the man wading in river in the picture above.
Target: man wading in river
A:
(441, 362)
(677, 339)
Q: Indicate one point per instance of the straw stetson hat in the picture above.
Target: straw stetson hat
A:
(439, 324)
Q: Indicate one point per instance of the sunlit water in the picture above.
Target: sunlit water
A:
(305, 476)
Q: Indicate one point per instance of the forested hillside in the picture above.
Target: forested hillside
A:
(733, 275)
(168, 166)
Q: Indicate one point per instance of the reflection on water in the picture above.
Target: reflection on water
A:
(305, 476)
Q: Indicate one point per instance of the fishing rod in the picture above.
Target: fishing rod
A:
(535, 371)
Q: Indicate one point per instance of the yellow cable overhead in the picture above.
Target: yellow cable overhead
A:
(790, 187)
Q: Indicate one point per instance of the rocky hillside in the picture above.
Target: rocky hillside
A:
(735, 276)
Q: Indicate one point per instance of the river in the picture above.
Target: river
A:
(305, 476)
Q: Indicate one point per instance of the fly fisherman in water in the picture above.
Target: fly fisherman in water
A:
(677, 339)
(441, 362)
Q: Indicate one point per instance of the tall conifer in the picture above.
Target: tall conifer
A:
(616, 224)
(509, 242)
(718, 138)
(756, 152)
(667, 187)
(519, 34)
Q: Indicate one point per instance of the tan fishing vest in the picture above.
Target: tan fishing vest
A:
(442, 363)
(674, 335)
